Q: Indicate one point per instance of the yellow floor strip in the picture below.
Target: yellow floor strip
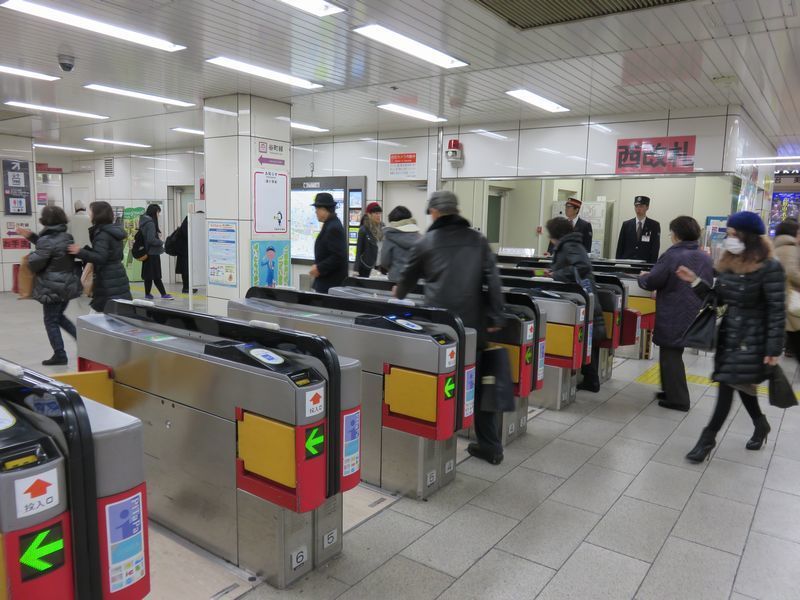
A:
(653, 377)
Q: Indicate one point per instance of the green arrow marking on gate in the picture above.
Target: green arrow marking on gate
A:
(314, 440)
(33, 555)
(449, 387)
(529, 356)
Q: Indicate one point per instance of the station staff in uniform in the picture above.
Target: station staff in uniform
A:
(330, 248)
(639, 238)
(571, 210)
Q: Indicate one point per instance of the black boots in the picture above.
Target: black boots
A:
(56, 359)
(759, 439)
(703, 447)
(478, 452)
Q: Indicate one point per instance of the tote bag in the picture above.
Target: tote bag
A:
(87, 279)
(25, 278)
(781, 393)
(702, 332)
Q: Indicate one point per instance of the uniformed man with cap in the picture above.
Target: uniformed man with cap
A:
(571, 210)
(640, 237)
(330, 247)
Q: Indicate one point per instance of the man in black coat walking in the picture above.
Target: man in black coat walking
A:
(640, 237)
(330, 248)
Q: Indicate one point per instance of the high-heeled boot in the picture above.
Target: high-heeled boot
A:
(703, 447)
(759, 439)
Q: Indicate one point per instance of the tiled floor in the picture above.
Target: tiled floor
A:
(596, 501)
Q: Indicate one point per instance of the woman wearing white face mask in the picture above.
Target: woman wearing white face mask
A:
(750, 284)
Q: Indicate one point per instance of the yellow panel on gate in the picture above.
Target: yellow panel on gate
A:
(513, 358)
(95, 385)
(646, 306)
(268, 449)
(608, 319)
(558, 339)
(411, 393)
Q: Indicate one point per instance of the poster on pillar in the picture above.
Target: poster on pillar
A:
(270, 191)
(222, 253)
(272, 263)
(17, 187)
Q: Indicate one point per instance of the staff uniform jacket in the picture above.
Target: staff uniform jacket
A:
(330, 255)
(105, 253)
(753, 324)
(629, 248)
(57, 274)
(398, 239)
(582, 227)
(787, 251)
(570, 258)
(456, 262)
(676, 302)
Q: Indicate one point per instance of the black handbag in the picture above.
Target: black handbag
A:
(702, 332)
(495, 391)
(781, 393)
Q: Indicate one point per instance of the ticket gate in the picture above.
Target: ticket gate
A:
(251, 432)
(418, 378)
(642, 304)
(522, 337)
(73, 512)
(613, 299)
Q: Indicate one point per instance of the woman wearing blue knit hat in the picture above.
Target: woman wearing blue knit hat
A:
(750, 284)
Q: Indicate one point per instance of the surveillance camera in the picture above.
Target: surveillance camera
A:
(66, 63)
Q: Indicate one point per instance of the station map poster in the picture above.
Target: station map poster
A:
(272, 263)
(270, 202)
(305, 226)
(674, 154)
(130, 223)
(17, 187)
(222, 255)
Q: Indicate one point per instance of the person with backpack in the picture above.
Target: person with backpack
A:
(110, 281)
(154, 248)
(57, 277)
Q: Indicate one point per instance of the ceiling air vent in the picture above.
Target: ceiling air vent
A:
(527, 14)
(109, 167)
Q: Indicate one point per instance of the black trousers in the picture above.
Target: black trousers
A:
(487, 430)
(590, 372)
(793, 343)
(673, 376)
(723, 407)
(151, 273)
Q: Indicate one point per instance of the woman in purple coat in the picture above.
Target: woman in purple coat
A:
(676, 307)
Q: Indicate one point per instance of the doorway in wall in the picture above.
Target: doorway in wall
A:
(494, 212)
(180, 202)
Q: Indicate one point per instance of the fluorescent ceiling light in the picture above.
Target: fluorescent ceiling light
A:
(220, 111)
(318, 8)
(373, 159)
(768, 158)
(244, 67)
(382, 142)
(412, 112)
(66, 148)
(305, 127)
(599, 127)
(151, 157)
(26, 73)
(537, 100)
(195, 152)
(575, 157)
(548, 150)
(187, 130)
(117, 142)
(405, 44)
(53, 109)
(139, 95)
(65, 18)
(489, 134)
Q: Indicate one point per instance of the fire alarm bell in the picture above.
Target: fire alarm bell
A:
(454, 154)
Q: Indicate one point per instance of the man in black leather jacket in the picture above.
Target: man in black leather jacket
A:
(456, 262)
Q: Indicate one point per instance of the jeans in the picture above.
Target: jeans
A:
(54, 322)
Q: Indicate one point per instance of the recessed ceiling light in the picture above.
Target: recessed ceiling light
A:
(599, 127)
(412, 112)
(53, 109)
(305, 127)
(139, 95)
(489, 134)
(195, 152)
(117, 142)
(221, 111)
(537, 100)
(302, 149)
(768, 158)
(65, 18)
(186, 130)
(380, 142)
(319, 8)
(151, 158)
(373, 159)
(405, 44)
(244, 67)
(65, 148)
(548, 150)
(26, 73)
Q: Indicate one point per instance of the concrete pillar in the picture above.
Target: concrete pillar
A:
(247, 177)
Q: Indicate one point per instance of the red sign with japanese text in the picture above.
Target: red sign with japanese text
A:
(403, 158)
(674, 154)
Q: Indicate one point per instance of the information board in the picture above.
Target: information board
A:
(305, 226)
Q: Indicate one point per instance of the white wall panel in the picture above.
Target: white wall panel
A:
(143, 177)
(355, 159)
(220, 116)
(552, 151)
(710, 143)
(245, 176)
(221, 165)
(119, 186)
(488, 157)
(417, 145)
(180, 169)
(302, 160)
(323, 160)
(603, 144)
(265, 121)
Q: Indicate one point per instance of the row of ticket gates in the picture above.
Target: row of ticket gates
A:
(248, 428)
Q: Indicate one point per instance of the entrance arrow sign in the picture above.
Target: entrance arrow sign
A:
(37, 551)
(449, 387)
(315, 438)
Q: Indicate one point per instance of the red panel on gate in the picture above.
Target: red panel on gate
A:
(24, 581)
(84, 364)
(525, 384)
(124, 544)
(631, 323)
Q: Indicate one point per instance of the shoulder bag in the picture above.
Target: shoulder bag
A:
(781, 393)
(702, 332)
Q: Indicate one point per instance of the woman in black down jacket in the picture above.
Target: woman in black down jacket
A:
(105, 253)
(57, 277)
(750, 284)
